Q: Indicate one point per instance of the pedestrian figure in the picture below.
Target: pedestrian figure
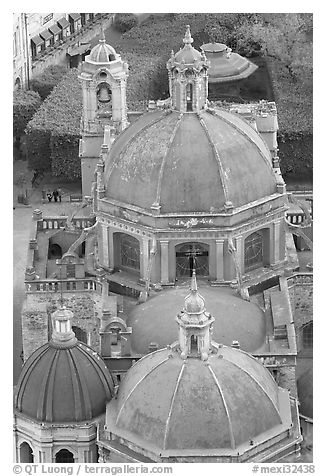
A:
(59, 193)
(49, 195)
(55, 195)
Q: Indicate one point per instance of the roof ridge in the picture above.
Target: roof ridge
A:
(172, 402)
(139, 382)
(233, 445)
(217, 157)
(244, 134)
(258, 384)
(161, 171)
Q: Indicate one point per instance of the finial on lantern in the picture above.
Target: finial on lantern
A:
(187, 39)
(102, 38)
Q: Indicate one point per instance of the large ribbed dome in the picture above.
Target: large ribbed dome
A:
(63, 381)
(189, 163)
(188, 404)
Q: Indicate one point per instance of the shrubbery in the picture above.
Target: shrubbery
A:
(25, 104)
(294, 106)
(45, 82)
(125, 21)
(53, 133)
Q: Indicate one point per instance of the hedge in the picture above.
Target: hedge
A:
(57, 124)
(50, 77)
(125, 21)
(294, 106)
(25, 104)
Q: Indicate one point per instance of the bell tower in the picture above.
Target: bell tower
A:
(104, 77)
(188, 79)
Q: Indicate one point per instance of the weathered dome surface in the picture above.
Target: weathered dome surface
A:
(102, 53)
(305, 393)
(236, 319)
(189, 163)
(58, 385)
(189, 404)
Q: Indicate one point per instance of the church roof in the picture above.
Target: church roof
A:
(188, 404)
(189, 163)
(63, 381)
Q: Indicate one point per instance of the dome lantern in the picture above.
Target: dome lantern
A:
(195, 325)
(62, 335)
(188, 80)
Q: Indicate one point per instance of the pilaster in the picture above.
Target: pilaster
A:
(164, 262)
(105, 246)
(275, 256)
(144, 257)
(239, 244)
(219, 259)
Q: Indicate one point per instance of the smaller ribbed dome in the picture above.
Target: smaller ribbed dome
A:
(63, 381)
(102, 53)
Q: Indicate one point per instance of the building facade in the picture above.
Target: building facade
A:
(45, 39)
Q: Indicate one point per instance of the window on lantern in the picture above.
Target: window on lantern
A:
(193, 344)
(189, 96)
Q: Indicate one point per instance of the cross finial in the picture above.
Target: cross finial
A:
(193, 286)
(187, 39)
(102, 39)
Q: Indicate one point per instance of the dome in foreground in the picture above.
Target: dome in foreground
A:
(197, 399)
(176, 404)
(189, 162)
(63, 381)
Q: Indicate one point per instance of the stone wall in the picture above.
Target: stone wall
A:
(287, 379)
(301, 297)
(36, 317)
(34, 326)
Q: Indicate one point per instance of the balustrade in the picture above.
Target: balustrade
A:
(64, 285)
(54, 223)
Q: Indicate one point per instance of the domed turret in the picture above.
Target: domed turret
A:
(102, 53)
(65, 368)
